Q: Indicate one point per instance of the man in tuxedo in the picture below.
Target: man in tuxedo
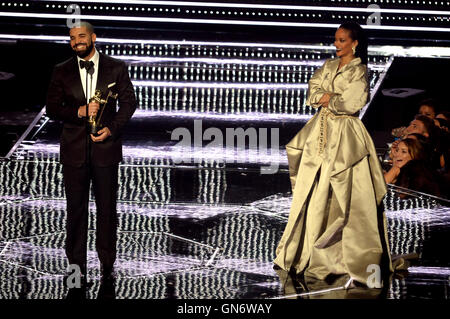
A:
(90, 157)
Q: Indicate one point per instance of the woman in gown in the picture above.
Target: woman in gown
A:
(334, 226)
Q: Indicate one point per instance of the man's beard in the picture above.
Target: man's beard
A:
(84, 53)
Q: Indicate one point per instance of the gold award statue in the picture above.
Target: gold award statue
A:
(94, 122)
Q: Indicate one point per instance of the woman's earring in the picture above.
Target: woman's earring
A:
(354, 50)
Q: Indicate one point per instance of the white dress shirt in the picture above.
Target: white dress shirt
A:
(92, 80)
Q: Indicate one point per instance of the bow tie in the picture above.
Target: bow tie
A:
(86, 64)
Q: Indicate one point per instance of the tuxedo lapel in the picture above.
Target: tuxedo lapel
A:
(74, 80)
(101, 79)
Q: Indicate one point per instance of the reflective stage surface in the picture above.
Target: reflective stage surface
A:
(196, 233)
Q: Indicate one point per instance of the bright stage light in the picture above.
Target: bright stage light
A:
(213, 21)
(263, 6)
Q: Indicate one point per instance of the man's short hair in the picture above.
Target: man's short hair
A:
(427, 123)
(85, 24)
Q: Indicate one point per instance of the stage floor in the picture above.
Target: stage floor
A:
(195, 233)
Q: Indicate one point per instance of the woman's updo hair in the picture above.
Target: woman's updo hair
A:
(357, 33)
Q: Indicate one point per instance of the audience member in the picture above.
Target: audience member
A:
(442, 137)
(428, 108)
(422, 125)
(441, 123)
(411, 170)
(420, 154)
(443, 115)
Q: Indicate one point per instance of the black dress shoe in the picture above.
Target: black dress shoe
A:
(76, 294)
(107, 289)
(77, 290)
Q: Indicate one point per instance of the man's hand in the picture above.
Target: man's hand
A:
(103, 134)
(93, 109)
(399, 131)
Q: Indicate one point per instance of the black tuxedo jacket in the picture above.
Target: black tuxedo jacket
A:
(65, 95)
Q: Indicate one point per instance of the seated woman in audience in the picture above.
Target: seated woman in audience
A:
(428, 108)
(438, 158)
(410, 169)
(402, 154)
(433, 158)
(421, 125)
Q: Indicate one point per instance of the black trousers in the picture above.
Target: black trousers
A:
(105, 183)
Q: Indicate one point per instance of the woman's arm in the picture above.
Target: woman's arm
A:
(325, 99)
(391, 176)
(315, 91)
(354, 96)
